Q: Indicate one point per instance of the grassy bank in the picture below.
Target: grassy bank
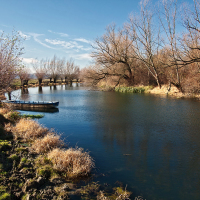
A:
(141, 89)
(36, 164)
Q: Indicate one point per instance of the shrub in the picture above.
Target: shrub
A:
(43, 145)
(28, 129)
(73, 162)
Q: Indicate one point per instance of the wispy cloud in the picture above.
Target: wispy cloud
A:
(61, 34)
(35, 37)
(67, 45)
(25, 36)
(83, 40)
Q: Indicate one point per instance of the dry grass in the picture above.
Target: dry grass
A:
(74, 162)
(4, 111)
(117, 196)
(28, 129)
(49, 142)
(8, 127)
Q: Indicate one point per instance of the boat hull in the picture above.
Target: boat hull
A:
(31, 104)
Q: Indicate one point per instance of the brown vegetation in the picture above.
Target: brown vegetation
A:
(28, 129)
(149, 49)
(47, 143)
(74, 162)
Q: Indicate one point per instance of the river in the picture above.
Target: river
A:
(150, 144)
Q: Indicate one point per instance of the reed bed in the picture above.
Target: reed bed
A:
(130, 89)
(28, 129)
(73, 162)
(47, 143)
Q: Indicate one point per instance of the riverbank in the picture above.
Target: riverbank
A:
(163, 91)
(173, 92)
(36, 164)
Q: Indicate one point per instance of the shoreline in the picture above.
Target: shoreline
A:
(29, 172)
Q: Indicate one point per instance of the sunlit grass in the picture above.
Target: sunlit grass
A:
(47, 143)
(73, 162)
(130, 89)
(28, 129)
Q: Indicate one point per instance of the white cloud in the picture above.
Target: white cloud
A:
(83, 40)
(84, 56)
(29, 60)
(61, 34)
(26, 37)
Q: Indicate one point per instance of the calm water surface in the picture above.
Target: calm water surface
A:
(149, 143)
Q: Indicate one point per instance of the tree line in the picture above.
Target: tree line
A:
(53, 69)
(159, 45)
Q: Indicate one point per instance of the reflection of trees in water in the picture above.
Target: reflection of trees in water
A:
(158, 154)
(24, 93)
(40, 90)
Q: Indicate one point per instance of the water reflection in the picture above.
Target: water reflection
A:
(149, 143)
(161, 147)
(40, 90)
(24, 93)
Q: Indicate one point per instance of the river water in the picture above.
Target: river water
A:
(149, 143)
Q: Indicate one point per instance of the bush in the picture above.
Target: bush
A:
(43, 145)
(28, 129)
(73, 162)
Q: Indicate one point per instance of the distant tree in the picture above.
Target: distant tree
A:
(53, 68)
(70, 71)
(40, 68)
(24, 76)
(10, 51)
(113, 56)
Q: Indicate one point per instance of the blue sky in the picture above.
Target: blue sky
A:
(65, 28)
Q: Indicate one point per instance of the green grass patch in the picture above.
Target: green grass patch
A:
(4, 145)
(130, 89)
(32, 116)
(5, 196)
(14, 157)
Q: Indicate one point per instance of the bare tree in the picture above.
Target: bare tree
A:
(70, 71)
(191, 40)
(53, 69)
(24, 76)
(40, 68)
(10, 51)
(146, 39)
(113, 56)
(168, 21)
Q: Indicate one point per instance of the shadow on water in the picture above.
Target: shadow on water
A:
(45, 110)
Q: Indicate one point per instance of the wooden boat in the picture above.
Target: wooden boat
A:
(16, 104)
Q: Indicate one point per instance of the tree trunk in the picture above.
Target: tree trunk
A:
(40, 81)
